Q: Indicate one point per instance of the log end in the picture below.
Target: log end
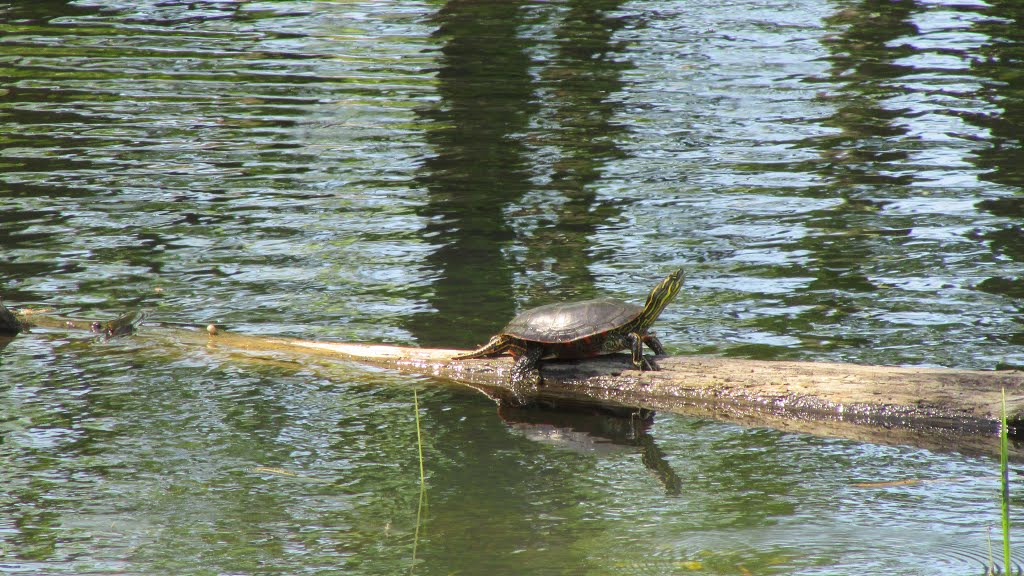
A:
(9, 323)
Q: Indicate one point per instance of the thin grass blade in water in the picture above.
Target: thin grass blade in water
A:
(1004, 475)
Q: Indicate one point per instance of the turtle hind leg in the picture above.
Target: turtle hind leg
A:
(525, 378)
(496, 345)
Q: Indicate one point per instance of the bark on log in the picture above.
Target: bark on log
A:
(928, 400)
(938, 409)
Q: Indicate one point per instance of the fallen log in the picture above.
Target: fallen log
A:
(938, 409)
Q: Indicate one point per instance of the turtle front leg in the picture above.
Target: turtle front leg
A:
(636, 344)
(525, 376)
(652, 341)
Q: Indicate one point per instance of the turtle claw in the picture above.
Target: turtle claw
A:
(516, 398)
(647, 363)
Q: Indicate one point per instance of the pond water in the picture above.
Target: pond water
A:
(840, 180)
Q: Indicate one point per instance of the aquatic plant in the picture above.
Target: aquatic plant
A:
(1004, 476)
(421, 506)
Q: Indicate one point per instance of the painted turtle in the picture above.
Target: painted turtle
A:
(579, 330)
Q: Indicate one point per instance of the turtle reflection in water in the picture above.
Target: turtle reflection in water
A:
(579, 330)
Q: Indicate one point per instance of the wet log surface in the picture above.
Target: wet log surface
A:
(938, 409)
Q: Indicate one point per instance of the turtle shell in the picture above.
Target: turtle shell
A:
(563, 323)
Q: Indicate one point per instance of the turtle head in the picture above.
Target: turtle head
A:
(660, 297)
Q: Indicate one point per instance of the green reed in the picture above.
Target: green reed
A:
(421, 506)
(1004, 475)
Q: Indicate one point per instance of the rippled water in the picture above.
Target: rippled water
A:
(841, 181)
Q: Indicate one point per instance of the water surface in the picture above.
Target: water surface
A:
(841, 181)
